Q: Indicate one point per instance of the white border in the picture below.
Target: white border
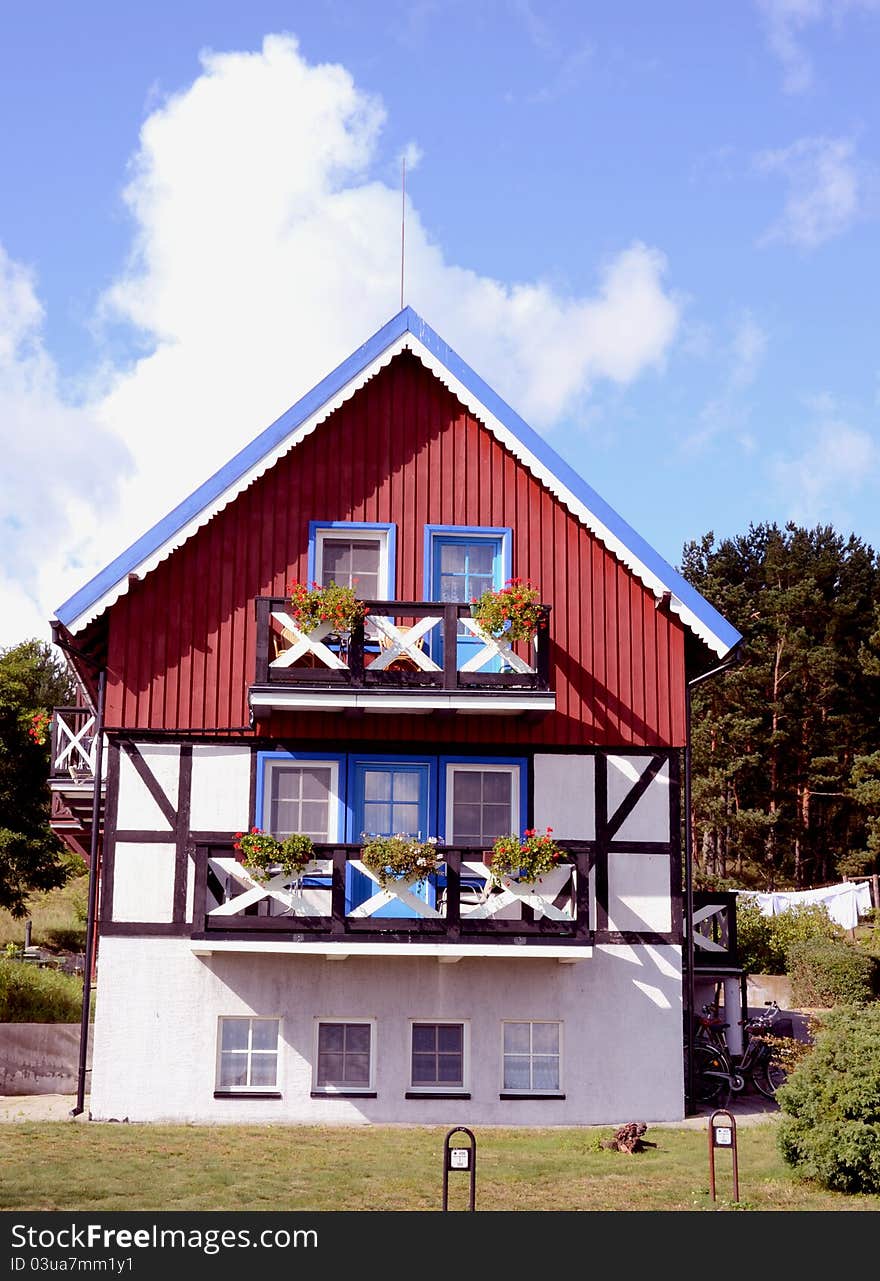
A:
(407, 342)
(539, 1093)
(330, 1090)
(248, 1089)
(440, 1088)
(292, 762)
(472, 767)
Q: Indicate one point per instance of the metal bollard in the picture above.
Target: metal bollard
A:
(460, 1158)
(722, 1134)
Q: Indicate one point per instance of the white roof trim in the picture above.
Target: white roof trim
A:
(409, 342)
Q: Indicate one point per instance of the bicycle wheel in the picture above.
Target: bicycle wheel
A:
(769, 1077)
(711, 1077)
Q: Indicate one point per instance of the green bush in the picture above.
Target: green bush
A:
(29, 994)
(830, 1127)
(763, 942)
(67, 938)
(831, 972)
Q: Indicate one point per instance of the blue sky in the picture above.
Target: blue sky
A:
(652, 228)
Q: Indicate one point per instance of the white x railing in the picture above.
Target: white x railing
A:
(493, 647)
(75, 750)
(305, 643)
(539, 895)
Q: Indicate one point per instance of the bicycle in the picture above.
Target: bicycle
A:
(717, 1074)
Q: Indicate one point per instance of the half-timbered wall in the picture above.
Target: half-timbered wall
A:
(165, 798)
(402, 450)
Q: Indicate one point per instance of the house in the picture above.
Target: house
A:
(222, 999)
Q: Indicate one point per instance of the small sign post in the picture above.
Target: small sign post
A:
(460, 1158)
(722, 1134)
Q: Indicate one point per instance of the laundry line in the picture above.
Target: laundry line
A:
(845, 903)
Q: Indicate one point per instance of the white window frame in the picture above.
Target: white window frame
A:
(370, 1087)
(441, 1087)
(476, 767)
(356, 534)
(249, 1019)
(295, 762)
(539, 1091)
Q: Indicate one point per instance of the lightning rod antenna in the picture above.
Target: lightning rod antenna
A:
(402, 222)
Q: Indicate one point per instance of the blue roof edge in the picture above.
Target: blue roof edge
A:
(576, 484)
(406, 321)
(227, 475)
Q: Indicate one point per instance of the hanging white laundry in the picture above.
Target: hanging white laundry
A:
(843, 902)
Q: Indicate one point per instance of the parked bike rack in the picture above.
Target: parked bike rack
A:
(722, 1134)
(460, 1158)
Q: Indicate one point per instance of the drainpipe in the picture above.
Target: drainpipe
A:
(91, 919)
(690, 996)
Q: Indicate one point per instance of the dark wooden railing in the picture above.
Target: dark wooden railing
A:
(714, 929)
(458, 904)
(360, 650)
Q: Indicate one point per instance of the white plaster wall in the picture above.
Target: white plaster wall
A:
(158, 1004)
(649, 821)
(638, 892)
(221, 781)
(143, 881)
(136, 809)
(565, 796)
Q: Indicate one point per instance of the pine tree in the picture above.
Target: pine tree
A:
(775, 742)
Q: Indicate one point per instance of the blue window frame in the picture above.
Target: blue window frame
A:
(301, 791)
(343, 551)
(461, 562)
(387, 796)
(493, 801)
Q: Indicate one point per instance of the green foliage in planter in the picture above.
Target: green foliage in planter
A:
(29, 994)
(392, 858)
(831, 972)
(830, 1128)
(333, 604)
(264, 853)
(513, 610)
(763, 942)
(533, 856)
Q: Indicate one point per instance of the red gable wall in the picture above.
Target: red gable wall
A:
(403, 449)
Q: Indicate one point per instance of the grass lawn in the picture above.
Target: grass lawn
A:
(105, 1167)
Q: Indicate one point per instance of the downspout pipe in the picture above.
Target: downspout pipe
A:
(690, 993)
(91, 919)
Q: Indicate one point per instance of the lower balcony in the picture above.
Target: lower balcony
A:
(339, 908)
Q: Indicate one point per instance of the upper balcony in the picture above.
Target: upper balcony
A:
(407, 656)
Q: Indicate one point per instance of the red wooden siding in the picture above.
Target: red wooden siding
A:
(403, 449)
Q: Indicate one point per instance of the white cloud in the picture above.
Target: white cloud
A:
(264, 253)
(835, 462)
(825, 188)
(785, 22)
(56, 461)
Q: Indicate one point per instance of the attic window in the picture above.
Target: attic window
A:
(353, 555)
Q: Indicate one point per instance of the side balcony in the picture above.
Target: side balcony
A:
(72, 765)
(714, 923)
(339, 908)
(407, 656)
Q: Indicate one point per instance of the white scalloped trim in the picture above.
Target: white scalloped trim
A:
(408, 342)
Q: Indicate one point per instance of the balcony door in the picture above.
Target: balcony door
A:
(389, 798)
(463, 566)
